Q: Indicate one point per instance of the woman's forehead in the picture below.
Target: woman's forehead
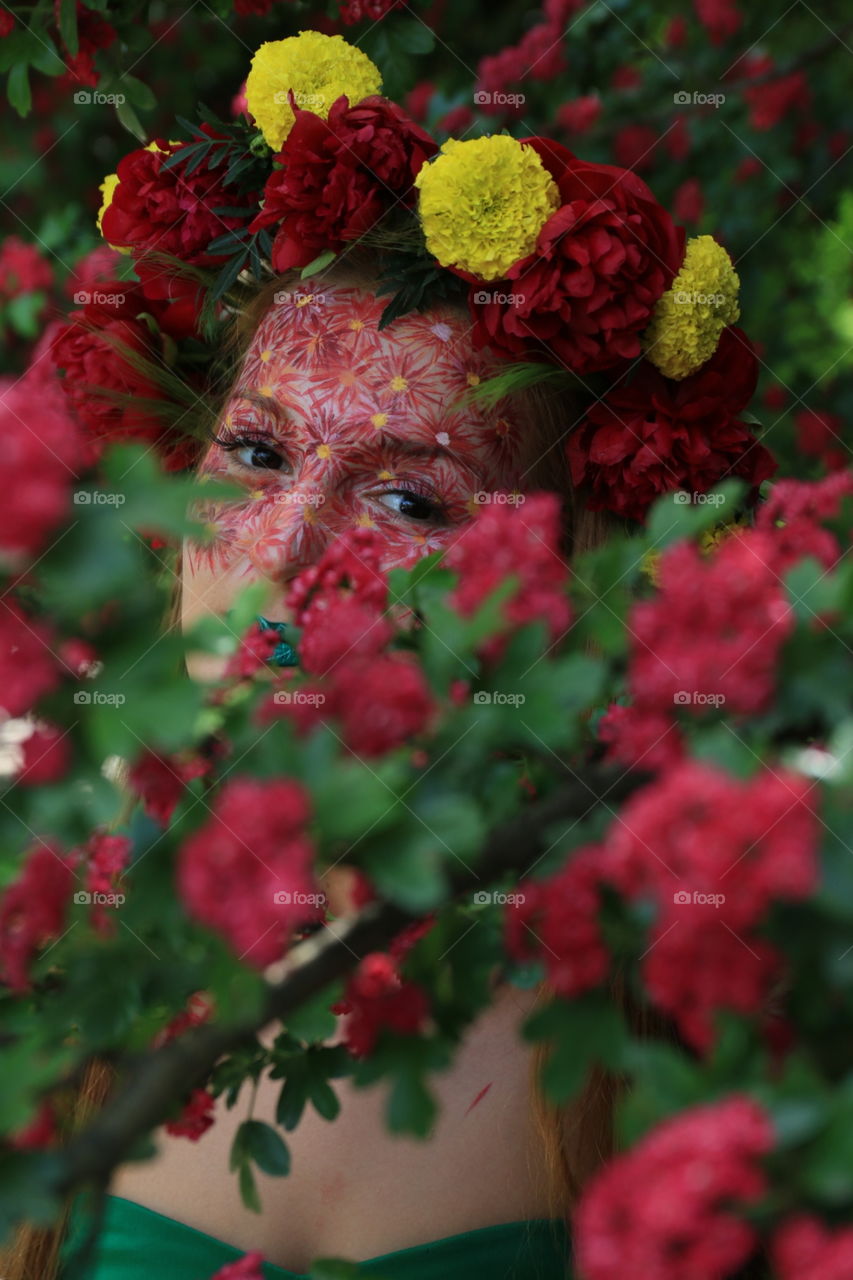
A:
(319, 355)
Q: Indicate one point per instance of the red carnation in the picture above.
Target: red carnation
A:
(654, 435)
(339, 176)
(668, 1203)
(601, 262)
(170, 210)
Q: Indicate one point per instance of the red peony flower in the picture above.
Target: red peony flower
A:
(28, 666)
(804, 1249)
(653, 435)
(670, 1203)
(247, 872)
(339, 176)
(600, 264)
(522, 539)
(170, 210)
(32, 911)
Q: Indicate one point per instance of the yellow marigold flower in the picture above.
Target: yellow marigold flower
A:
(650, 566)
(317, 68)
(689, 318)
(107, 190)
(483, 202)
(712, 538)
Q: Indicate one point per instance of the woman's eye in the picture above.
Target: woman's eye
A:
(252, 452)
(415, 506)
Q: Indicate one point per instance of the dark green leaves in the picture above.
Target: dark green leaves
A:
(256, 1142)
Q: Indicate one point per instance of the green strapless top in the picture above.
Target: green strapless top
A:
(136, 1244)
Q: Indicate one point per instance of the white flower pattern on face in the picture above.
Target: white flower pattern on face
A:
(361, 411)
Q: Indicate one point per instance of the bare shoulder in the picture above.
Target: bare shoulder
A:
(355, 1188)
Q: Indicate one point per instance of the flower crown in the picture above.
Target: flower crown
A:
(570, 270)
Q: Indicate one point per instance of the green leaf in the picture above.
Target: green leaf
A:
(314, 1020)
(414, 37)
(411, 1106)
(249, 1188)
(318, 263)
(18, 88)
(324, 1098)
(128, 117)
(292, 1096)
(68, 26)
(583, 1031)
(263, 1144)
(138, 93)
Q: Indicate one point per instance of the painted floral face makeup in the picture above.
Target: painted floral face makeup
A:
(332, 424)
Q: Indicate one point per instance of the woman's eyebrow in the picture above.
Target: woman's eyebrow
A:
(265, 401)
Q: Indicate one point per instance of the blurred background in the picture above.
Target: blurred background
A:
(740, 119)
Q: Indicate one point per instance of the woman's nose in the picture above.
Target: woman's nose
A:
(293, 530)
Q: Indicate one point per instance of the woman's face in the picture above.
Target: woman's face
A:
(334, 424)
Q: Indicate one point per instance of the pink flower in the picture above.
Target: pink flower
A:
(720, 18)
(804, 1249)
(381, 701)
(377, 997)
(556, 921)
(525, 541)
(42, 448)
(247, 872)
(23, 268)
(28, 666)
(667, 1204)
(160, 781)
(246, 1268)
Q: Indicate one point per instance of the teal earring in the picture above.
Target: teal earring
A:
(284, 654)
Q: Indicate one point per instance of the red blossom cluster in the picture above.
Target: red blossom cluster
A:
(380, 698)
(652, 435)
(540, 55)
(111, 398)
(106, 857)
(33, 911)
(713, 854)
(804, 1249)
(160, 781)
(377, 996)
(247, 872)
(587, 290)
(336, 178)
(670, 1203)
(525, 541)
(93, 33)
